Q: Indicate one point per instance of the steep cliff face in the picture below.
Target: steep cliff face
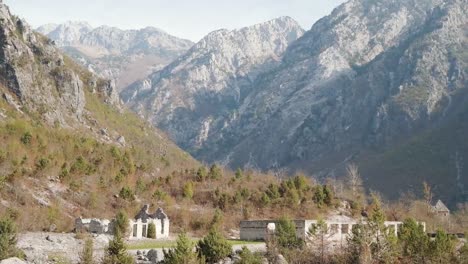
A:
(122, 55)
(198, 91)
(371, 76)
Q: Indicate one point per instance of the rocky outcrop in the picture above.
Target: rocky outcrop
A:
(204, 86)
(124, 56)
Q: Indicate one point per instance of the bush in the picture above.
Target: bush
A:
(26, 138)
(215, 172)
(126, 193)
(151, 231)
(213, 247)
(247, 257)
(188, 190)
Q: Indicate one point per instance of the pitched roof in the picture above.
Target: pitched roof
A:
(440, 207)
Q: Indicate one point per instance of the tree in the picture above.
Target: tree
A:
(463, 256)
(215, 172)
(121, 223)
(319, 196)
(328, 195)
(8, 239)
(318, 236)
(427, 192)
(116, 252)
(414, 241)
(354, 178)
(86, 256)
(182, 253)
(127, 194)
(286, 234)
(213, 247)
(151, 231)
(441, 248)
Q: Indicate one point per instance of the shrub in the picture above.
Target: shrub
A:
(201, 174)
(188, 190)
(239, 174)
(127, 194)
(215, 172)
(213, 247)
(26, 138)
(151, 231)
(247, 257)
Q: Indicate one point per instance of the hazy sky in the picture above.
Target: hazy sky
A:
(190, 19)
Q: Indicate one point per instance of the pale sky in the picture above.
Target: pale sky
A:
(191, 19)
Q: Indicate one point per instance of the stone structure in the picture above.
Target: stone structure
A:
(441, 209)
(93, 225)
(339, 228)
(139, 225)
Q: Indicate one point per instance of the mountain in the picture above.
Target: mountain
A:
(379, 83)
(203, 87)
(67, 145)
(122, 55)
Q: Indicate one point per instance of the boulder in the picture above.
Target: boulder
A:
(13, 261)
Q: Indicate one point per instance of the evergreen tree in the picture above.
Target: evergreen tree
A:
(319, 196)
(86, 256)
(201, 174)
(215, 172)
(188, 190)
(442, 248)
(319, 234)
(213, 247)
(151, 231)
(414, 241)
(121, 223)
(182, 253)
(286, 234)
(116, 251)
(8, 239)
(327, 195)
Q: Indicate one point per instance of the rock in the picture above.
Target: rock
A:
(280, 259)
(48, 238)
(121, 141)
(152, 256)
(52, 228)
(138, 253)
(13, 261)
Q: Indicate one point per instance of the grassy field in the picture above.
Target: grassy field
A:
(152, 244)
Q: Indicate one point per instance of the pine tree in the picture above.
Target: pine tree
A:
(213, 247)
(188, 190)
(286, 234)
(86, 256)
(182, 253)
(318, 235)
(215, 172)
(8, 239)
(414, 241)
(441, 249)
(116, 252)
(121, 223)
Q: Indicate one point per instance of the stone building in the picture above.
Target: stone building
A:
(441, 209)
(93, 225)
(139, 225)
(338, 228)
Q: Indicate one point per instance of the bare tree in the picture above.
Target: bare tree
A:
(354, 177)
(428, 195)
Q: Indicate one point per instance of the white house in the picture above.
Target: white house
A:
(139, 225)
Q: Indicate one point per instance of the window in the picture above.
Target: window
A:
(143, 233)
(334, 228)
(162, 226)
(345, 229)
(135, 229)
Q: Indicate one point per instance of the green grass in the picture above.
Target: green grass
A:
(151, 244)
